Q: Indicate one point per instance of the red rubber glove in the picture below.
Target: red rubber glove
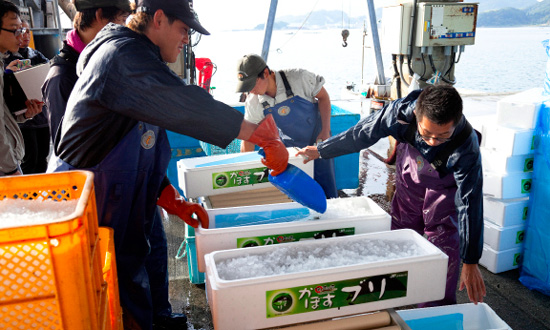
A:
(267, 137)
(173, 203)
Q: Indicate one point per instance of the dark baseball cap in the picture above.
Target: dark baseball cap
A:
(179, 9)
(248, 69)
(89, 4)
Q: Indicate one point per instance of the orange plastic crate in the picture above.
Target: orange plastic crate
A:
(51, 273)
(108, 260)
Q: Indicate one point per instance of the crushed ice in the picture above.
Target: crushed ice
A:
(22, 212)
(294, 258)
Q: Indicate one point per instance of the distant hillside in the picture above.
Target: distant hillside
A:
(488, 5)
(321, 19)
(492, 13)
(538, 14)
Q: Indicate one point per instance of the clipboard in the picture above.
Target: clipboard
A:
(31, 80)
(24, 85)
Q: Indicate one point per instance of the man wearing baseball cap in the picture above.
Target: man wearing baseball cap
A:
(114, 126)
(299, 104)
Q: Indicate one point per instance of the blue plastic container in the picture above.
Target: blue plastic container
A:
(182, 146)
(347, 166)
(233, 147)
(195, 276)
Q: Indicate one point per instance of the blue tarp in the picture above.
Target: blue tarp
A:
(535, 271)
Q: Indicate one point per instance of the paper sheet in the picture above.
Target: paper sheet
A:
(31, 80)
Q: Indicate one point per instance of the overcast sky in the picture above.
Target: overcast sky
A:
(218, 15)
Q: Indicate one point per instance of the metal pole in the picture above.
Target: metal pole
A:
(58, 18)
(68, 8)
(376, 43)
(269, 29)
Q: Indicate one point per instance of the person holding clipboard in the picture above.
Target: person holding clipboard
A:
(12, 148)
(36, 132)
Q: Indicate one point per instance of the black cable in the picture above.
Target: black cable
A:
(396, 75)
(459, 54)
(411, 37)
(432, 63)
(401, 71)
(451, 66)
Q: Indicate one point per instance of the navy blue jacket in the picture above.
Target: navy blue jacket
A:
(464, 163)
(58, 86)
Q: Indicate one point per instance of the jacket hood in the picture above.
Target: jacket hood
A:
(109, 34)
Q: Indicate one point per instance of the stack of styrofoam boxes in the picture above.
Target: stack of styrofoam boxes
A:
(248, 211)
(507, 149)
(222, 174)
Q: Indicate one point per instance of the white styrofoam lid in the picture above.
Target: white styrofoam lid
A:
(229, 159)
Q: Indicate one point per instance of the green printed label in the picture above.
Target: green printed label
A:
(293, 237)
(239, 178)
(524, 217)
(528, 165)
(517, 259)
(525, 186)
(323, 296)
(519, 236)
(533, 143)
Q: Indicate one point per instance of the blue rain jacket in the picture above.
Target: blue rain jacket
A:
(114, 126)
(464, 163)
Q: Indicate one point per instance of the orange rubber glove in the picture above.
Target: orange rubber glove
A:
(173, 203)
(267, 137)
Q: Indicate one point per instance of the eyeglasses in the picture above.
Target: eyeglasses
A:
(17, 32)
(428, 138)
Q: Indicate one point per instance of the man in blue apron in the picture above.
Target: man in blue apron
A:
(299, 104)
(438, 188)
(114, 125)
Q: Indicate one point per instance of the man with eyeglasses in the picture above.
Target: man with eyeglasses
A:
(24, 51)
(12, 148)
(36, 132)
(438, 185)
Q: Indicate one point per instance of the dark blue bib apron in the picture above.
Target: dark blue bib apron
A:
(127, 184)
(299, 123)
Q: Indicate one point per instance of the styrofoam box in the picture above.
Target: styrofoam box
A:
(507, 140)
(503, 238)
(223, 237)
(521, 109)
(494, 161)
(475, 317)
(197, 176)
(507, 185)
(505, 212)
(244, 303)
(498, 262)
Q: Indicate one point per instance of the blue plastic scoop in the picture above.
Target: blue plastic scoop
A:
(300, 187)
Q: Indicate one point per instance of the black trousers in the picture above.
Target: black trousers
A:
(37, 149)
